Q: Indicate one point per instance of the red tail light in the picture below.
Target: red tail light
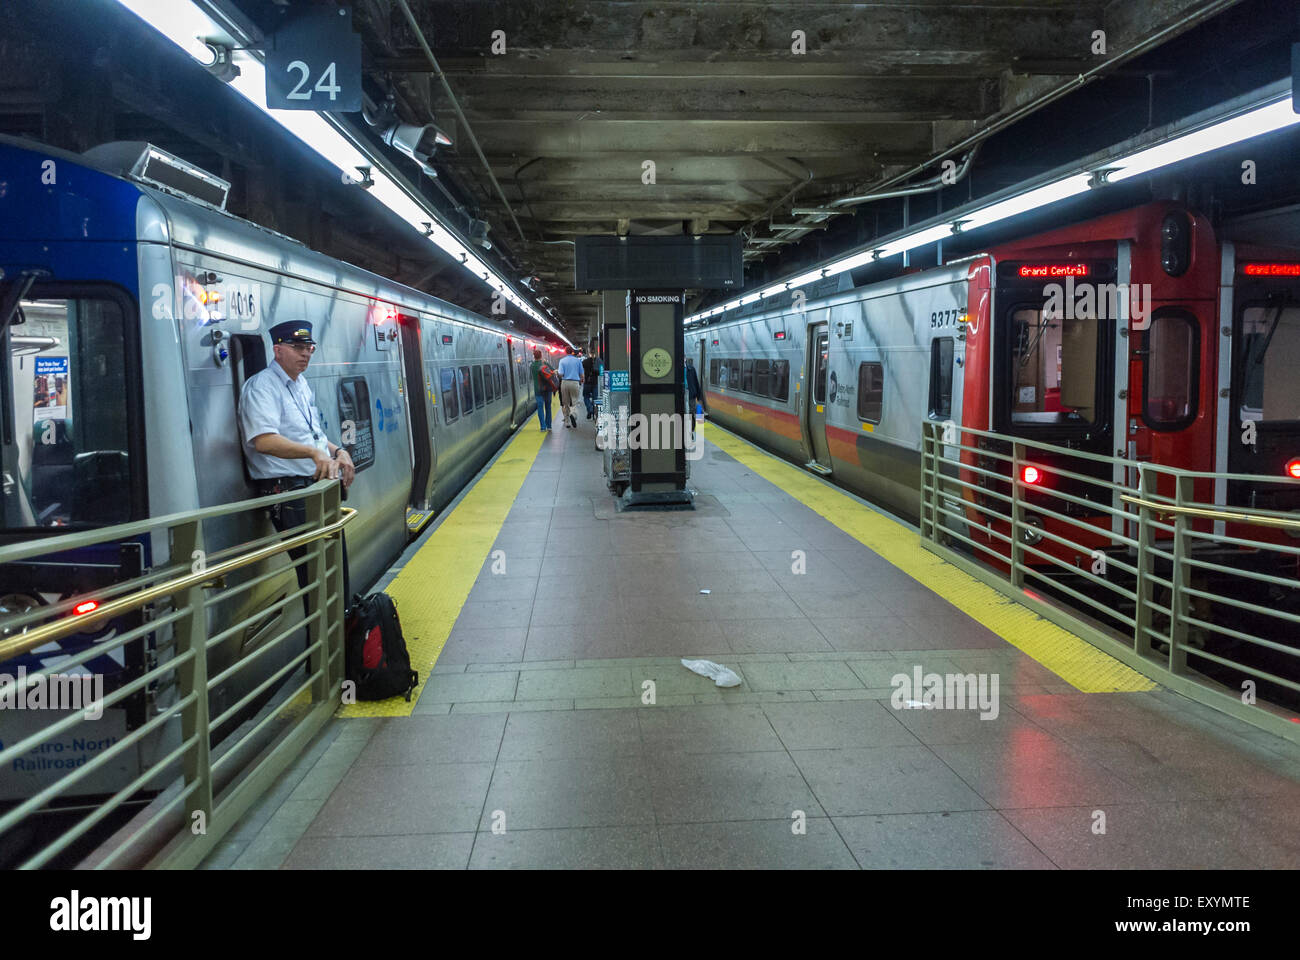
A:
(85, 607)
(1293, 468)
(1031, 474)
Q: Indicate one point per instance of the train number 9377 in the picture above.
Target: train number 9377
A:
(946, 318)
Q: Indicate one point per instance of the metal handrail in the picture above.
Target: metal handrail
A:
(39, 636)
(1153, 512)
(1225, 515)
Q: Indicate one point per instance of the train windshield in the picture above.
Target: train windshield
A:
(1054, 366)
(1268, 359)
(65, 424)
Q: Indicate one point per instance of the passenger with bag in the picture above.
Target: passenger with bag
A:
(545, 382)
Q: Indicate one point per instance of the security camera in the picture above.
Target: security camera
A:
(418, 143)
(478, 233)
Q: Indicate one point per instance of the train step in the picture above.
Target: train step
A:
(416, 520)
(816, 467)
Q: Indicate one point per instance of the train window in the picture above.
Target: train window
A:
(354, 409)
(760, 377)
(489, 387)
(66, 434)
(733, 374)
(1172, 358)
(1267, 360)
(819, 369)
(466, 391)
(447, 383)
(941, 377)
(714, 364)
(747, 376)
(779, 379)
(871, 392)
(502, 379)
(477, 373)
(724, 373)
(1054, 367)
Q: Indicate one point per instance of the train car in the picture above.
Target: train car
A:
(134, 308)
(1138, 335)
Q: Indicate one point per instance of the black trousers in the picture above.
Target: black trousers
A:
(293, 513)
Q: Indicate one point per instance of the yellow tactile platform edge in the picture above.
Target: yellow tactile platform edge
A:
(432, 587)
(1072, 658)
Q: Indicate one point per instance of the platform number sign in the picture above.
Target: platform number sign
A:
(313, 62)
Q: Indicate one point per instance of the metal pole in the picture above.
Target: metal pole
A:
(1017, 543)
(1178, 577)
(1145, 566)
(192, 637)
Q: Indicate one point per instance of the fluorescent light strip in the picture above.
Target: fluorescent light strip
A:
(1254, 123)
(181, 22)
(1262, 120)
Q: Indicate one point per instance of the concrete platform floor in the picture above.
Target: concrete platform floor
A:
(533, 722)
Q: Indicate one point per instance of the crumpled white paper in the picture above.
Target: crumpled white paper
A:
(722, 676)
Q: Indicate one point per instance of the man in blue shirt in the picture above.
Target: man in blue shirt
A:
(570, 386)
(284, 436)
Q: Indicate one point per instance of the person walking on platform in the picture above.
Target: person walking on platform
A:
(284, 434)
(693, 393)
(590, 378)
(542, 387)
(570, 386)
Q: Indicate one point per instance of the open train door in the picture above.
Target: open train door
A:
(419, 400)
(814, 408)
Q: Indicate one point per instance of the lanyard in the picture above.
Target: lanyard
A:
(306, 412)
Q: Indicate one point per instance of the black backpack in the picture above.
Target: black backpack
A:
(376, 657)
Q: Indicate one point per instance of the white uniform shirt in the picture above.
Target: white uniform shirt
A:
(270, 402)
(571, 368)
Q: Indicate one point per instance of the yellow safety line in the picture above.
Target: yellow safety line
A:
(1071, 658)
(432, 587)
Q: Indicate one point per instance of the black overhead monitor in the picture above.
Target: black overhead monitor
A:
(706, 262)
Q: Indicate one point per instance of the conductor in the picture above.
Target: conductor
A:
(284, 436)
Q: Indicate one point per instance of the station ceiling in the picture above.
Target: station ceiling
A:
(738, 123)
(746, 109)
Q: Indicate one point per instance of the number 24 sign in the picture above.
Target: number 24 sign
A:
(313, 62)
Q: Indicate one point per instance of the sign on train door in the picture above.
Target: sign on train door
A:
(815, 403)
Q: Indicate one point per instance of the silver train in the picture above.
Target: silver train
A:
(865, 358)
(146, 311)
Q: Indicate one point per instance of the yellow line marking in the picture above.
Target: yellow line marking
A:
(1071, 658)
(431, 589)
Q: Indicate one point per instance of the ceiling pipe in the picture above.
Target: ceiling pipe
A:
(937, 182)
(433, 62)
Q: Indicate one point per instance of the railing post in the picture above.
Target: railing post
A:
(1142, 589)
(335, 626)
(317, 605)
(927, 482)
(1017, 531)
(1183, 495)
(192, 637)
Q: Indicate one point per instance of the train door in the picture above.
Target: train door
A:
(702, 371)
(510, 376)
(815, 404)
(418, 407)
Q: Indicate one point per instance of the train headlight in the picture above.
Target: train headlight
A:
(1293, 468)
